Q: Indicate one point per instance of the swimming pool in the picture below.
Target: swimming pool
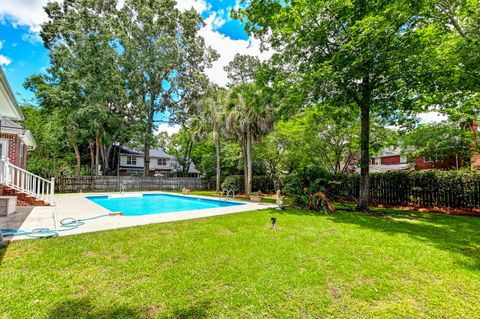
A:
(146, 204)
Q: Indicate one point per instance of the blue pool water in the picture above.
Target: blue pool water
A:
(156, 203)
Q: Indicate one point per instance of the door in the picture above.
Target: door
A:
(3, 149)
(3, 157)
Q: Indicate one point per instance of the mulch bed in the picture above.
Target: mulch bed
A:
(447, 211)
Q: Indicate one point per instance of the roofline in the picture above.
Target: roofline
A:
(25, 135)
(29, 140)
(16, 108)
(127, 151)
(387, 155)
(141, 155)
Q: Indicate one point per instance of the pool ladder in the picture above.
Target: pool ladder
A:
(122, 188)
(228, 194)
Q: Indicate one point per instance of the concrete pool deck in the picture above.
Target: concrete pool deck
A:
(79, 207)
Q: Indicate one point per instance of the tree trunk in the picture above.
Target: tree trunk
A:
(187, 158)
(92, 158)
(245, 169)
(146, 159)
(107, 168)
(147, 143)
(249, 162)
(97, 150)
(363, 198)
(217, 151)
(77, 151)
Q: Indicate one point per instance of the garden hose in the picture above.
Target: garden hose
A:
(66, 224)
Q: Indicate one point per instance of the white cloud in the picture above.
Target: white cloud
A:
(168, 128)
(199, 5)
(216, 21)
(33, 38)
(28, 13)
(227, 48)
(224, 45)
(4, 60)
(431, 117)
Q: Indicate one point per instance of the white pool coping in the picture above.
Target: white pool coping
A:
(79, 207)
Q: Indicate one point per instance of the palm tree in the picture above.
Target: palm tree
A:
(249, 117)
(213, 115)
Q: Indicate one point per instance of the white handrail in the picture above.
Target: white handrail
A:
(227, 194)
(22, 180)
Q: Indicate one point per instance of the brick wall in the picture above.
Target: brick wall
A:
(447, 163)
(14, 145)
(475, 160)
(391, 160)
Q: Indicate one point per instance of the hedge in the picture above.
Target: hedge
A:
(261, 183)
(445, 189)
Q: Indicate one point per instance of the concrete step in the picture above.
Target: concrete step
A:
(23, 199)
(23, 203)
(40, 202)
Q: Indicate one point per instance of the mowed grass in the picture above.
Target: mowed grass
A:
(342, 265)
(267, 198)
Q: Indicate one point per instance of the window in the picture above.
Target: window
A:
(22, 154)
(131, 160)
(403, 159)
(433, 158)
(162, 161)
(3, 149)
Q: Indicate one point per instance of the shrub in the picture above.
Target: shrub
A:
(234, 182)
(261, 183)
(308, 189)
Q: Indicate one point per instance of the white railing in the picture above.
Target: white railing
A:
(21, 180)
(228, 194)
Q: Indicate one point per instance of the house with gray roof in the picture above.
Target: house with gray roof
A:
(15, 140)
(131, 163)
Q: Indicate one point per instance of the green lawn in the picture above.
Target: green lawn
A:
(343, 265)
(266, 199)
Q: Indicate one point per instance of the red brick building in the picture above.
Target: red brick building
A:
(475, 160)
(14, 138)
(18, 187)
(394, 160)
(14, 142)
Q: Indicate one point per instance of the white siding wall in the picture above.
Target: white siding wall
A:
(153, 163)
(123, 161)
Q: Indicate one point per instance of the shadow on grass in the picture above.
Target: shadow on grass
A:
(457, 234)
(198, 310)
(83, 308)
(3, 251)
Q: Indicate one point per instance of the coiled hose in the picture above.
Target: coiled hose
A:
(67, 224)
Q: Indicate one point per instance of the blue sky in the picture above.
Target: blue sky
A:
(22, 53)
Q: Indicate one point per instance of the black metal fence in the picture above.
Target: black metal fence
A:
(443, 189)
